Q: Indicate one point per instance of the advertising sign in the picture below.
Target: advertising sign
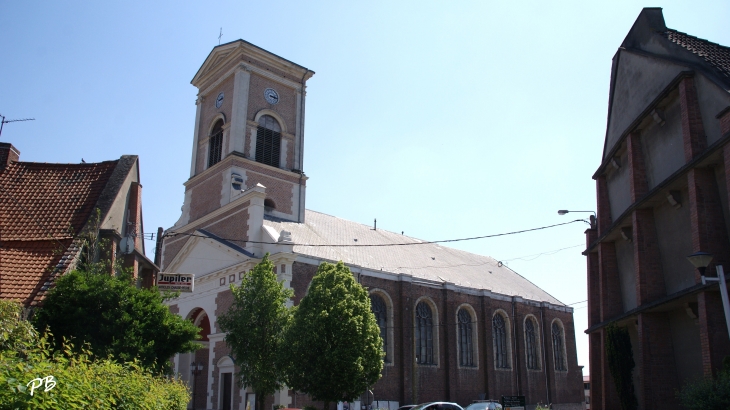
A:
(513, 402)
(182, 282)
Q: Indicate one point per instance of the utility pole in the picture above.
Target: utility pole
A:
(3, 121)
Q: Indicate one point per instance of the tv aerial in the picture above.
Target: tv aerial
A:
(3, 121)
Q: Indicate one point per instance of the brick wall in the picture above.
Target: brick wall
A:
(8, 154)
(693, 131)
(286, 108)
(647, 264)
(407, 382)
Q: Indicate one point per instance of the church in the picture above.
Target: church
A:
(456, 326)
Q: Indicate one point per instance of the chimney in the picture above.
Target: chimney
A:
(8, 154)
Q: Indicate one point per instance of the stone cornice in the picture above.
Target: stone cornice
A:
(236, 156)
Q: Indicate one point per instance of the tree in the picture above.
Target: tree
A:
(254, 327)
(116, 319)
(334, 351)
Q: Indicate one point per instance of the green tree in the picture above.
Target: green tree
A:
(254, 327)
(334, 351)
(116, 319)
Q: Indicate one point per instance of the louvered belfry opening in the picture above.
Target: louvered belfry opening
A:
(215, 144)
(268, 141)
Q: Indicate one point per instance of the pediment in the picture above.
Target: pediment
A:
(216, 58)
(202, 255)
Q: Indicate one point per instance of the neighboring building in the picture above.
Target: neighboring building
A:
(45, 208)
(662, 189)
(587, 390)
(456, 326)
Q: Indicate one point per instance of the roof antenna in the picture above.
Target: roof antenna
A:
(375, 224)
(3, 121)
(219, 36)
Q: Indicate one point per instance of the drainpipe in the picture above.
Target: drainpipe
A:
(301, 147)
(514, 343)
(544, 357)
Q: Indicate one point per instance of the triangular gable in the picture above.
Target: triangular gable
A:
(215, 58)
(202, 255)
(638, 80)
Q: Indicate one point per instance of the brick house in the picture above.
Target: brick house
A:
(45, 207)
(662, 190)
(485, 331)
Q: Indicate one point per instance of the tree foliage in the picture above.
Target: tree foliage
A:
(77, 379)
(334, 351)
(708, 393)
(16, 334)
(116, 319)
(621, 364)
(254, 327)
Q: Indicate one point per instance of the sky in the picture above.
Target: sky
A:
(442, 120)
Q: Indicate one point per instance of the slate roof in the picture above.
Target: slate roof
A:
(431, 262)
(716, 55)
(42, 207)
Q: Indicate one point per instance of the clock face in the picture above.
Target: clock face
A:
(271, 96)
(219, 100)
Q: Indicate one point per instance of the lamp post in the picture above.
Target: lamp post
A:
(700, 260)
(195, 369)
(592, 217)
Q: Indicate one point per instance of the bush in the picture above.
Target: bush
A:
(81, 382)
(707, 394)
(77, 379)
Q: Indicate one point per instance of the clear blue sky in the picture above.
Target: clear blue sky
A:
(440, 119)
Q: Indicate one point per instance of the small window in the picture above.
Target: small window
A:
(466, 348)
(558, 347)
(269, 205)
(378, 306)
(268, 141)
(215, 144)
(424, 334)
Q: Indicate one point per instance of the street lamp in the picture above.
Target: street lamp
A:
(700, 260)
(195, 369)
(592, 218)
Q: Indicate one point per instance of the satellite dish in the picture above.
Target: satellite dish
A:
(126, 245)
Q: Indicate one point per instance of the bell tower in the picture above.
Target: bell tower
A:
(249, 131)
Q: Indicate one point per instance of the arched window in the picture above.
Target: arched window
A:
(466, 347)
(215, 144)
(424, 334)
(558, 346)
(268, 141)
(378, 306)
(531, 344)
(501, 348)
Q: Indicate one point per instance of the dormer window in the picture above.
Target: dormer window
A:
(268, 141)
(215, 144)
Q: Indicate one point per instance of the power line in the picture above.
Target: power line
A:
(537, 255)
(172, 234)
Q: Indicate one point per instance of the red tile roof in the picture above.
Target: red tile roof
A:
(42, 208)
(716, 55)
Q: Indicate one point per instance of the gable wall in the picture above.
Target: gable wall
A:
(639, 79)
